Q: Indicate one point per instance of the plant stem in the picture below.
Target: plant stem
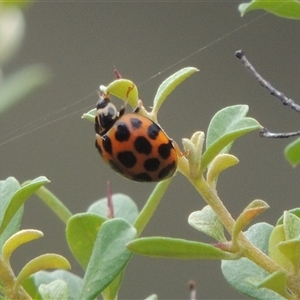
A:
(212, 199)
(149, 208)
(224, 216)
(248, 249)
(7, 279)
(54, 204)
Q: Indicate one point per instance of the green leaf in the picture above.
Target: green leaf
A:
(176, 248)
(291, 226)
(206, 221)
(295, 211)
(291, 249)
(90, 115)
(20, 84)
(285, 8)
(124, 208)
(32, 283)
(194, 148)
(111, 292)
(240, 273)
(56, 290)
(292, 152)
(252, 210)
(109, 257)
(7, 189)
(119, 88)
(18, 199)
(289, 242)
(277, 283)
(81, 233)
(169, 85)
(42, 262)
(226, 126)
(220, 163)
(18, 239)
(278, 236)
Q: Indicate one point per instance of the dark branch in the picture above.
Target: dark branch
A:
(266, 133)
(280, 96)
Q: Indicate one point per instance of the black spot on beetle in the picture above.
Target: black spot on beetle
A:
(164, 150)
(142, 145)
(142, 177)
(151, 164)
(167, 171)
(122, 133)
(136, 123)
(107, 144)
(127, 159)
(153, 131)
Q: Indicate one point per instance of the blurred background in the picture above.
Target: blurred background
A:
(81, 42)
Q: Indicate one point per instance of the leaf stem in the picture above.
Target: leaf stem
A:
(54, 204)
(149, 208)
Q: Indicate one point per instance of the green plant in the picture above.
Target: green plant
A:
(262, 262)
(103, 243)
(287, 8)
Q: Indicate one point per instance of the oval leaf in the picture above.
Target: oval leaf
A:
(206, 221)
(176, 248)
(292, 152)
(243, 275)
(169, 85)
(124, 208)
(109, 257)
(119, 88)
(81, 233)
(226, 126)
(285, 8)
(32, 283)
(56, 290)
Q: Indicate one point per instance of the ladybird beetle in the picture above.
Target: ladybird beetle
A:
(132, 144)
